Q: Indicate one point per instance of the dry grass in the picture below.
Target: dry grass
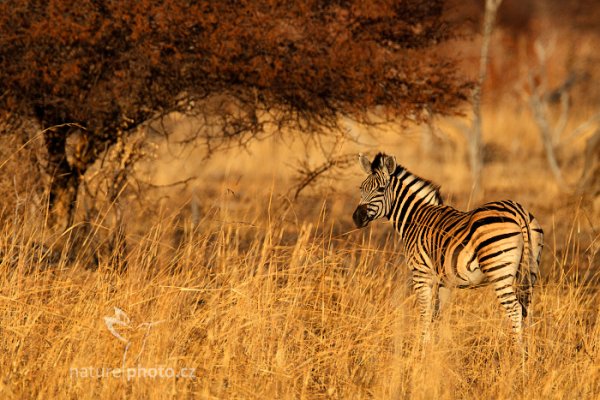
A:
(268, 299)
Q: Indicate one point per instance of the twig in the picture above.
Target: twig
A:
(311, 175)
(155, 186)
(581, 129)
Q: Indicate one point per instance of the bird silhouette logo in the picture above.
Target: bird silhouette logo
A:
(121, 319)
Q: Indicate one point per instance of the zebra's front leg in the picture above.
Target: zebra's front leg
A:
(423, 286)
(441, 298)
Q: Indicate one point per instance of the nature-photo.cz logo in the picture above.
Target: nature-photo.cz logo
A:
(122, 319)
(130, 373)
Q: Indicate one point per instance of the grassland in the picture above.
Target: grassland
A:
(266, 297)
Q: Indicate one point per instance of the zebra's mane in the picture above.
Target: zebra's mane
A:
(403, 173)
(377, 161)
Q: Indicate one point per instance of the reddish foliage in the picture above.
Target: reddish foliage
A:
(111, 65)
(96, 62)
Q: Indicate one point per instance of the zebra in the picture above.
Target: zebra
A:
(497, 244)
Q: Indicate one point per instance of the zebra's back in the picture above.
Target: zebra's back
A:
(478, 247)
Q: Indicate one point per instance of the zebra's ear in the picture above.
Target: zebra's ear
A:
(364, 163)
(390, 164)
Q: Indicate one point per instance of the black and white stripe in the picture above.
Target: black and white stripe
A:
(497, 244)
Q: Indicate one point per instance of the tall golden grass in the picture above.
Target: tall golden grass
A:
(262, 297)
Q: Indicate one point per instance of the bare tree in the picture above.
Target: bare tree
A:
(244, 68)
(474, 134)
(542, 101)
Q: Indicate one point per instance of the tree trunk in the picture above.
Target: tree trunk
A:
(64, 182)
(475, 156)
(589, 183)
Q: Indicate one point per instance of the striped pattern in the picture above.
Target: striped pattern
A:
(497, 244)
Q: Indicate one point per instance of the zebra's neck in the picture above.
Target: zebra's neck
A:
(409, 193)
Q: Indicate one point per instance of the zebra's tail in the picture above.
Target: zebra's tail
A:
(526, 276)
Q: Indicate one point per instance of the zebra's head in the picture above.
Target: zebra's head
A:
(374, 193)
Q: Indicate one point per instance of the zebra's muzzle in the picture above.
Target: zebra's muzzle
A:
(361, 216)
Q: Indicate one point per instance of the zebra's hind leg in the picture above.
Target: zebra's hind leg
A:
(505, 292)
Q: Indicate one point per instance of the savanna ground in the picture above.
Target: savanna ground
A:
(263, 296)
